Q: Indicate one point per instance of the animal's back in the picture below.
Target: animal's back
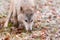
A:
(19, 3)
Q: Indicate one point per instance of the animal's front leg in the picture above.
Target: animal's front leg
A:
(7, 20)
(9, 15)
(15, 17)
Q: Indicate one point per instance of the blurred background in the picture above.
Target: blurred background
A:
(49, 13)
(44, 5)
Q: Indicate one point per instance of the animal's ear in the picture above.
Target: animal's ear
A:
(21, 10)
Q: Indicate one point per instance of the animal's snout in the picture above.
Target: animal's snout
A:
(28, 25)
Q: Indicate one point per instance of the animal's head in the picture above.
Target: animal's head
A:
(27, 19)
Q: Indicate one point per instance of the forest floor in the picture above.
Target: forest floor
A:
(38, 33)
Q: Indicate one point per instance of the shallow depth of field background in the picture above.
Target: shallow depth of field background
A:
(50, 18)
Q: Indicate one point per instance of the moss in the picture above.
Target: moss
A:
(0, 17)
(10, 24)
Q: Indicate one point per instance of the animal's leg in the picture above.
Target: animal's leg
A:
(18, 13)
(15, 17)
(9, 15)
(7, 20)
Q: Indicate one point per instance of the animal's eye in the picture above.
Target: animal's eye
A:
(25, 20)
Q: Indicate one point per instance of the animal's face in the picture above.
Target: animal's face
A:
(28, 15)
(28, 21)
(27, 18)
